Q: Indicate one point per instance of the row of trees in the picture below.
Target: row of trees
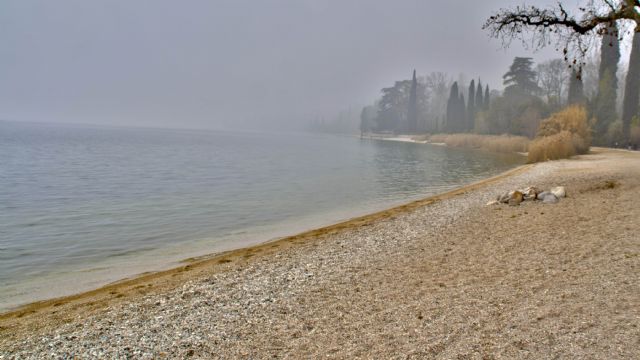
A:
(598, 19)
(437, 104)
(461, 117)
(421, 106)
(531, 93)
(425, 104)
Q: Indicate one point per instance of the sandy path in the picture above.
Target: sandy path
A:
(449, 279)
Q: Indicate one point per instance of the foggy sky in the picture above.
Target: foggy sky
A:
(235, 63)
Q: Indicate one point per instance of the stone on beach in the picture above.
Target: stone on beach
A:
(515, 198)
(559, 191)
(550, 198)
(530, 193)
(504, 198)
(541, 195)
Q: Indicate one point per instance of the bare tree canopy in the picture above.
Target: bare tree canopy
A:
(540, 26)
(552, 76)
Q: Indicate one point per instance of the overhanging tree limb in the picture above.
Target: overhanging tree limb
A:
(540, 24)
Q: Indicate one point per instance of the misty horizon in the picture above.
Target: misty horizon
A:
(232, 65)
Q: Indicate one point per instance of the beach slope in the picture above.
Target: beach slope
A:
(446, 277)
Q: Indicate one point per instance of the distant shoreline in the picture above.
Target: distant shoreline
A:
(399, 138)
(489, 139)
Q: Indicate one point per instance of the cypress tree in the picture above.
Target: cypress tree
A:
(576, 89)
(479, 98)
(487, 101)
(461, 114)
(452, 108)
(471, 107)
(604, 108)
(412, 111)
(632, 86)
(610, 53)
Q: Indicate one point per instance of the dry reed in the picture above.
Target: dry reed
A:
(564, 134)
(496, 143)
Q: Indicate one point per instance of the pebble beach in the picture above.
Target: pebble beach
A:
(446, 277)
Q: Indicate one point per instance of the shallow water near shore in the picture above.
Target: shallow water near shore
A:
(83, 206)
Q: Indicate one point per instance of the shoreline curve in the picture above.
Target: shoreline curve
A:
(128, 288)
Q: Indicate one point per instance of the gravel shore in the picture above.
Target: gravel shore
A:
(443, 278)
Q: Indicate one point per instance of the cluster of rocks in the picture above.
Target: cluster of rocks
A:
(531, 193)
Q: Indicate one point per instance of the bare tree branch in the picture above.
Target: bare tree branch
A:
(571, 34)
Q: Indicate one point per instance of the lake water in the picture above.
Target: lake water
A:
(83, 206)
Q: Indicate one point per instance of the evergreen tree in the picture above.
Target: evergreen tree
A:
(520, 80)
(392, 108)
(456, 111)
(610, 53)
(576, 89)
(632, 86)
(364, 122)
(479, 97)
(452, 108)
(412, 111)
(462, 117)
(487, 100)
(471, 107)
(604, 106)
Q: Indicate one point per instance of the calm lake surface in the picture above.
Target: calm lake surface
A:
(83, 206)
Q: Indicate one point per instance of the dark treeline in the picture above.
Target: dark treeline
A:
(531, 93)
(427, 104)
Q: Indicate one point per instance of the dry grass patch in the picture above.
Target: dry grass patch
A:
(558, 146)
(604, 185)
(564, 134)
(496, 143)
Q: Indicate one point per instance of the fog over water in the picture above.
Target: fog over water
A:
(231, 64)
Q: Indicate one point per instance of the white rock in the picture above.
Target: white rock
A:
(530, 193)
(559, 191)
(504, 198)
(541, 195)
